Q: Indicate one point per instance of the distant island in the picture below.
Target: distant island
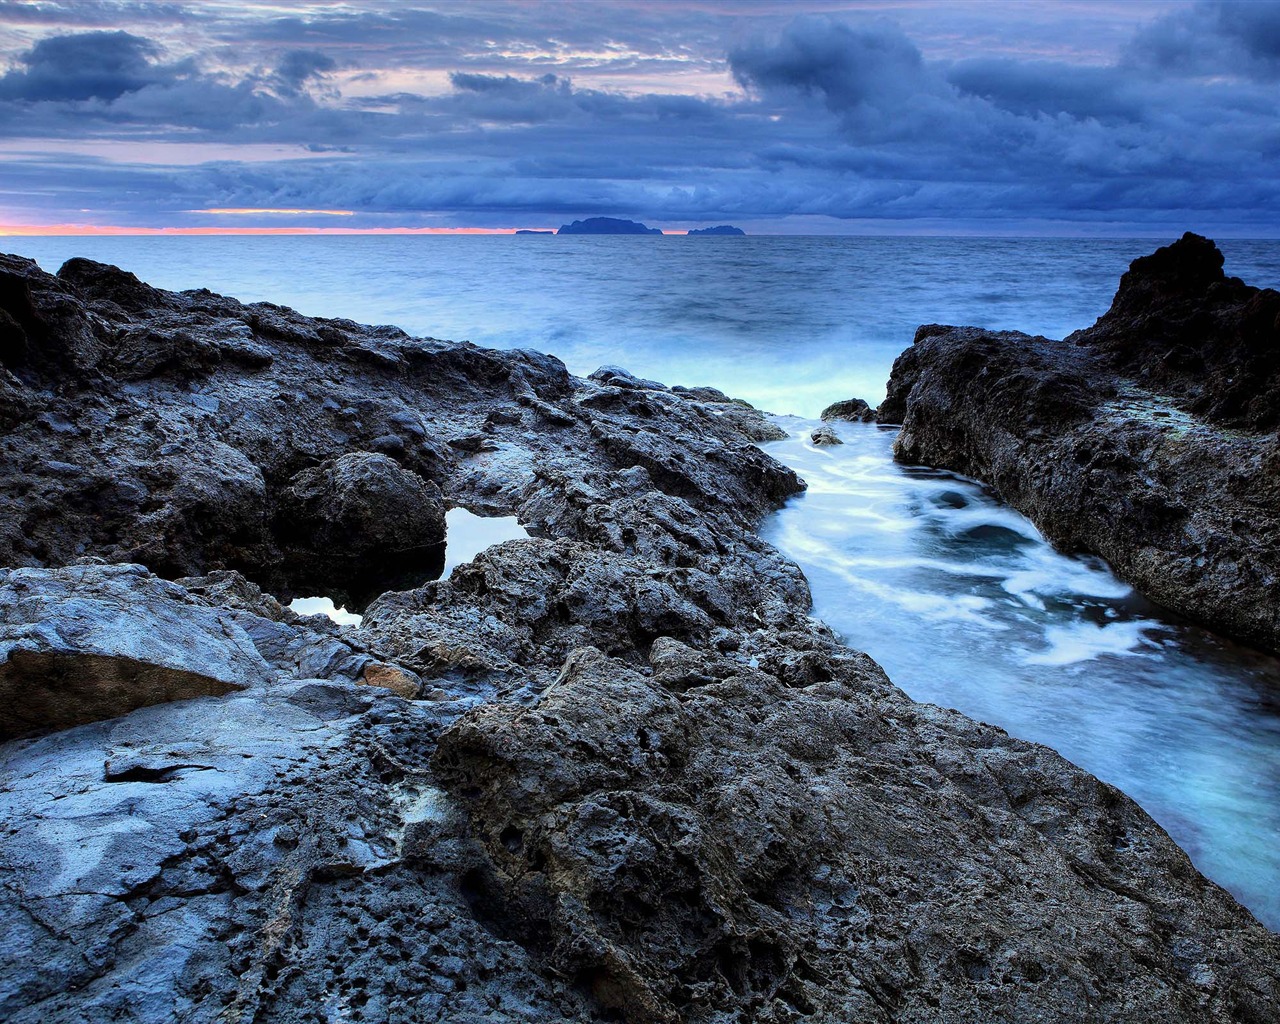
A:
(531, 231)
(723, 229)
(607, 226)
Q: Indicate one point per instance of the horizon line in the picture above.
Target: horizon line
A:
(73, 230)
(90, 230)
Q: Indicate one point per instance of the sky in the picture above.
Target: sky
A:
(1136, 117)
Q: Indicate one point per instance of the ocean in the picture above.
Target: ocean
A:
(956, 595)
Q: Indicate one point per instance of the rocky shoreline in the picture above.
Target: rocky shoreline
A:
(1149, 438)
(612, 772)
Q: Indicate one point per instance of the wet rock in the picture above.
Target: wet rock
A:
(825, 437)
(854, 410)
(261, 855)
(1110, 456)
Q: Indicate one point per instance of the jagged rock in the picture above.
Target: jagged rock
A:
(722, 849)
(1143, 470)
(825, 437)
(1180, 326)
(853, 409)
(642, 783)
(182, 447)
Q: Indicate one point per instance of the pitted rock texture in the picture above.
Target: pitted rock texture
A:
(638, 781)
(710, 842)
(1172, 477)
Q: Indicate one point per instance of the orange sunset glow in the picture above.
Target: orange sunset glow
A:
(37, 230)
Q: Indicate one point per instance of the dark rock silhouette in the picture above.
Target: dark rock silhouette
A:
(531, 231)
(722, 229)
(607, 226)
(1147, 439)
(1208, 341)
(855, 410)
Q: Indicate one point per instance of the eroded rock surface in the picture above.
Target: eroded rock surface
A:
(91, 642)
(635, 779)
(189, 433)
(1146, 438)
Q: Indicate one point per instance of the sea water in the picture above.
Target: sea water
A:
(956, 595)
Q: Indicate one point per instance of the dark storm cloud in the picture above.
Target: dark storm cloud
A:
(297, 67)
(1032, 88)
(839, 116)
(90, 65)
(844, 66)
(114, 84)
(1222, 37)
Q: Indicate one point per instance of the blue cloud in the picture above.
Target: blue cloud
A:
(836, 117)
(90, 65)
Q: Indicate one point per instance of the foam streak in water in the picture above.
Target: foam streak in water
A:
(965, 605)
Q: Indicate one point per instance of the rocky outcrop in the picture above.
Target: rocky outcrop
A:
(1145, 439)
(720, 229)
(190, 433)
(633, 778)
(1180, 326)
(855, 410)
(825, 437)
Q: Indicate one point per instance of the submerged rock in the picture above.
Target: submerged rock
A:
(1153, 469)
(614, 771)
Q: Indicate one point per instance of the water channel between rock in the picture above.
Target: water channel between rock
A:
(965, 605)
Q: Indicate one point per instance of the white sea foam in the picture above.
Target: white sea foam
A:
(325, 606)
(965, 605)
(1078, 641)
